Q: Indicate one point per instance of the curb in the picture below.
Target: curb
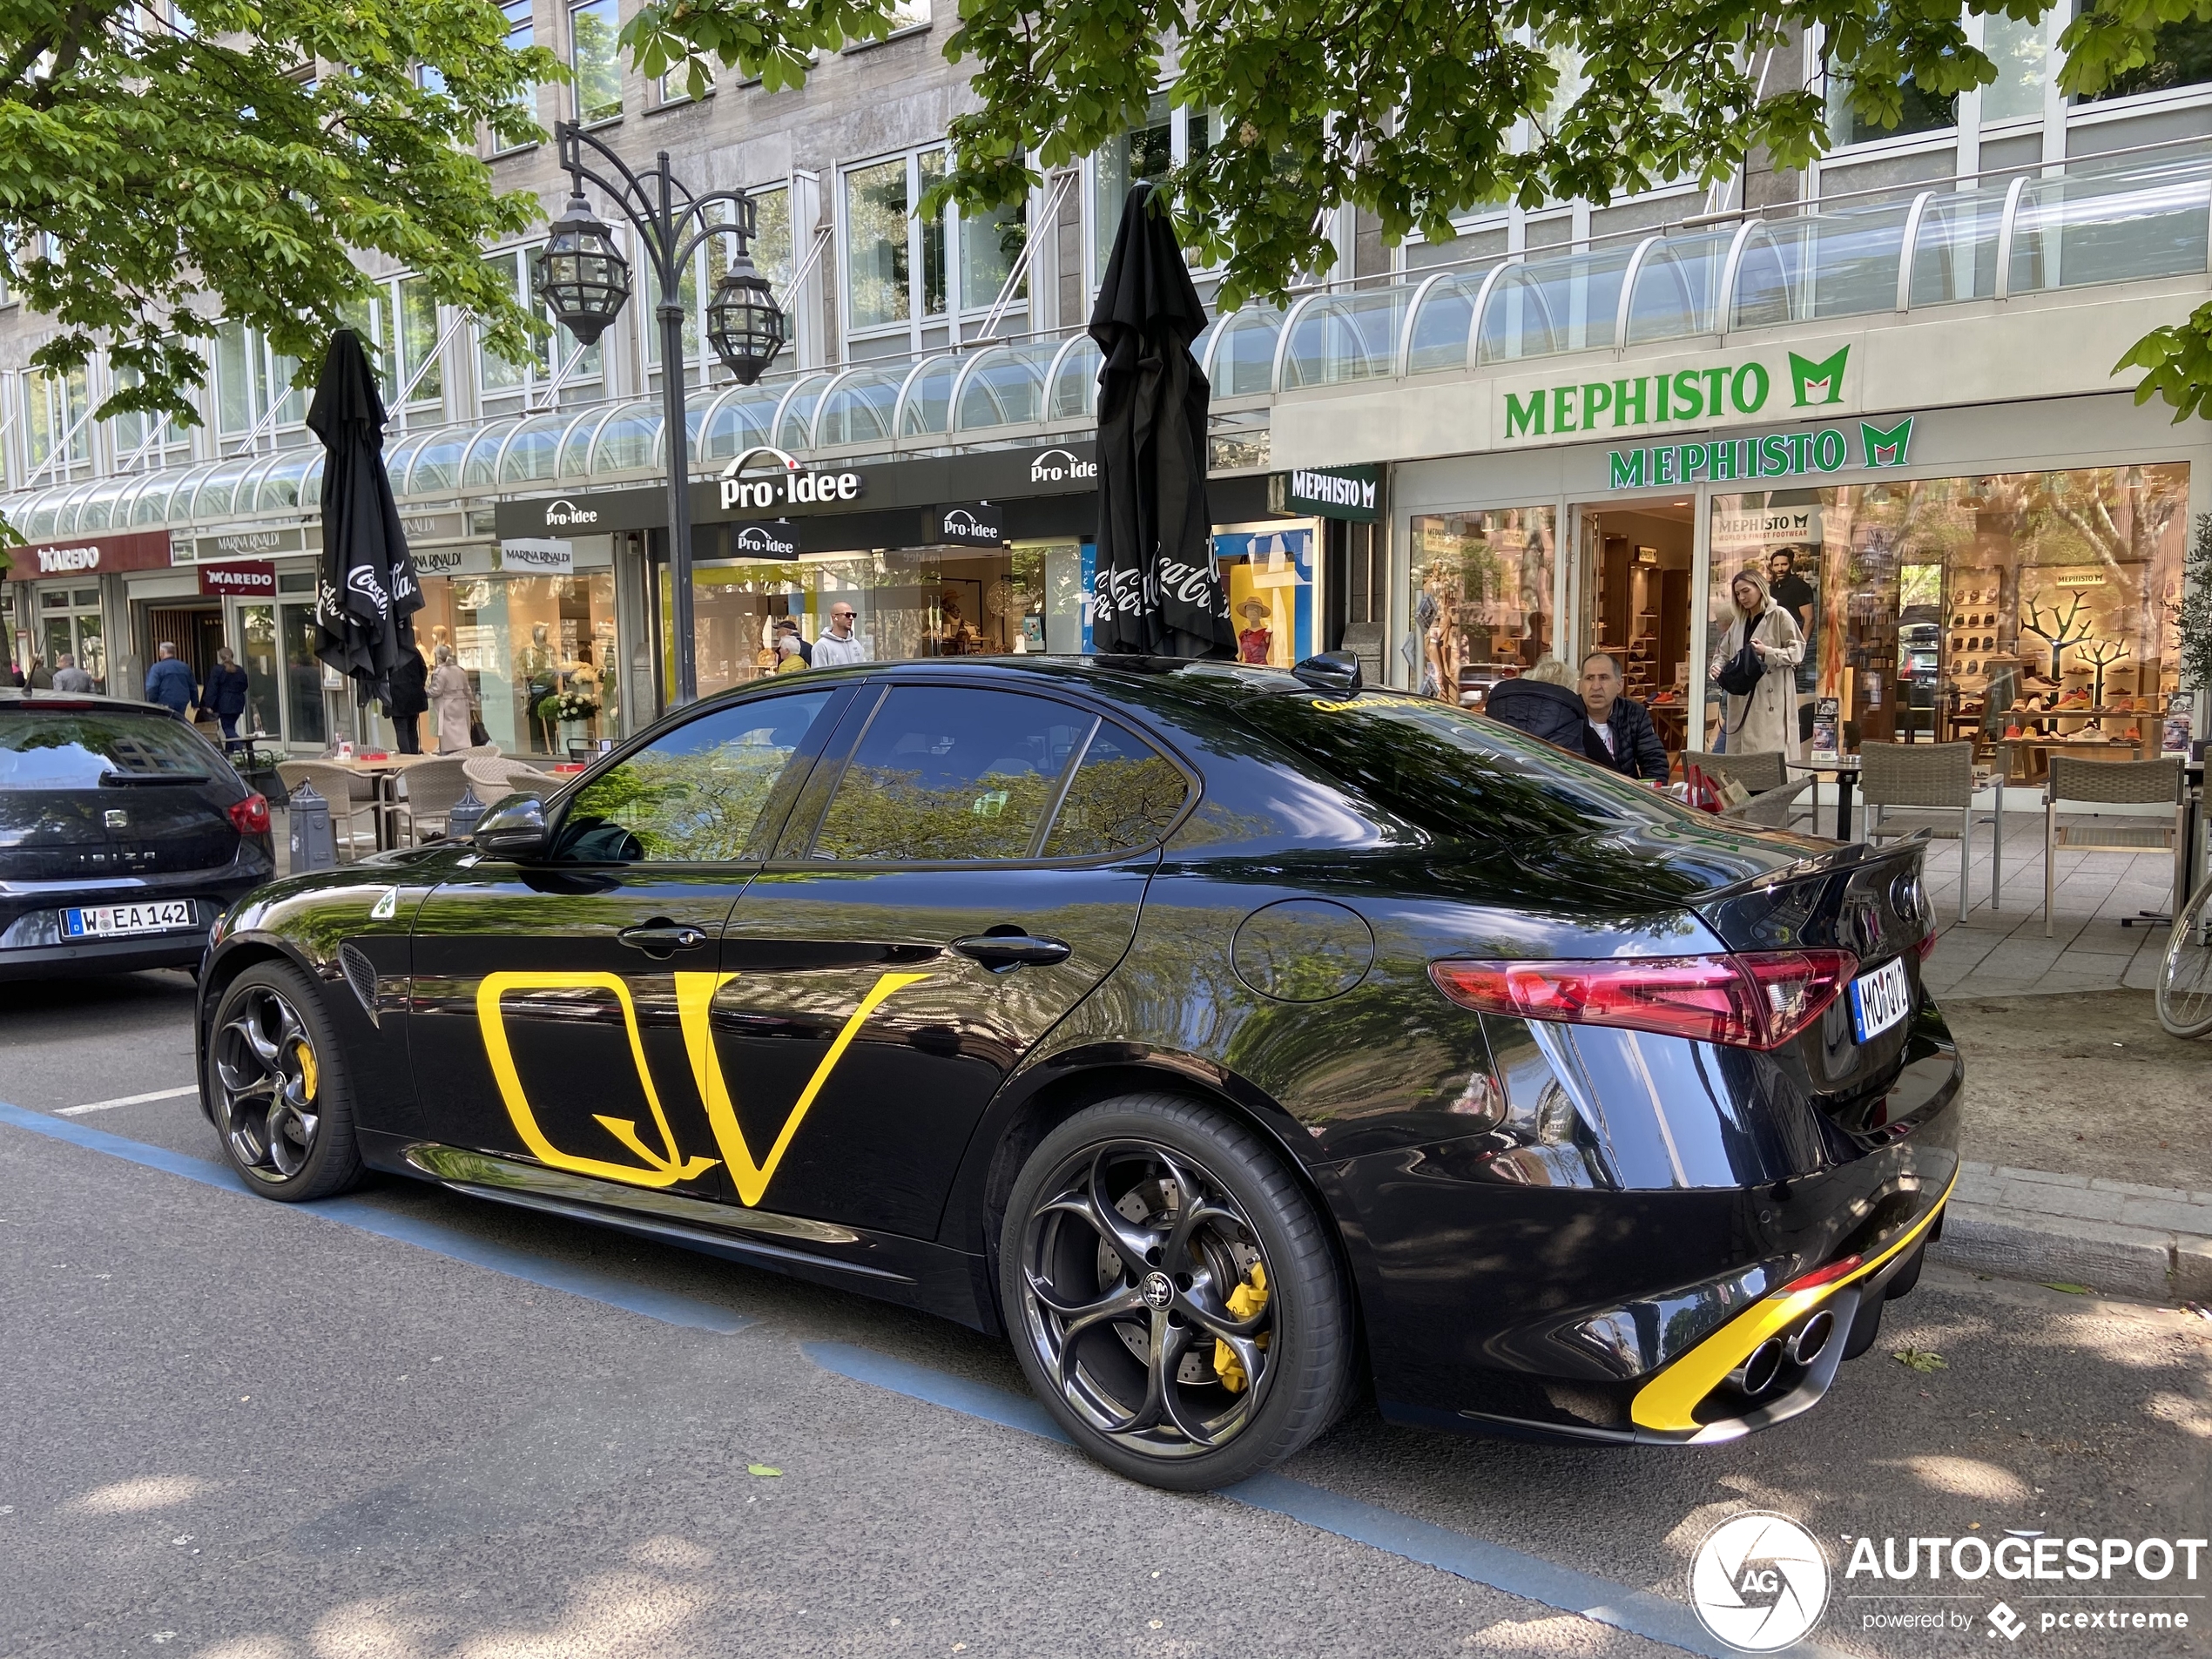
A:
(2035, 1226)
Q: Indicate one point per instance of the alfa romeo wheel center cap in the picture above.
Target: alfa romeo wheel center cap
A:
(1156, 1290)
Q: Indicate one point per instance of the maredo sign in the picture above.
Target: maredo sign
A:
(792, 486)
(92, 556)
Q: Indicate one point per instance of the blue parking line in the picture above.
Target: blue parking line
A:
(1530, 1577)
(667, 1306)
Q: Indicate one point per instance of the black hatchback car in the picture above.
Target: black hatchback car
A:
(1225, 1036)
(124, 834)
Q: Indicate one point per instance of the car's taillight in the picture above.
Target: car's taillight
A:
(1758, 1000)
(1926, 946)
(250, 816)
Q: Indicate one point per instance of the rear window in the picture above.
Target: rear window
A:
(1453, 773)
(72, 749)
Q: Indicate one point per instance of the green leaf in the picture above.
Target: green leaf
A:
(1919, 1360)
(2071, 1290)
(763, 1470)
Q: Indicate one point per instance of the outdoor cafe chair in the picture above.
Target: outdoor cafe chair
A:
(2108, 782)
(1929, 777)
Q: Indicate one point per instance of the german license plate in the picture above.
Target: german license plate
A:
(1879, 1000)
(115, 920)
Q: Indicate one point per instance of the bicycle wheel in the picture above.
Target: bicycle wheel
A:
(2185, 977)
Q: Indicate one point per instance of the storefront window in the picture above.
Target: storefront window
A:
(2032, 605)
(303, 680)
(908, 603)
(69, 624)
(539, 652)
(1482, 596)
(257, 633)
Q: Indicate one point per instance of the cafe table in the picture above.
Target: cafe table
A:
(1844, 770)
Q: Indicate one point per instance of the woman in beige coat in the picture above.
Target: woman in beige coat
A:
(1767, 719)
(448, 694)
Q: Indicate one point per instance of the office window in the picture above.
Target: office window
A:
(522, 31)
(879, 254)
(2023, 65)
(418, 315)
(597, 66)
(241, 379)
(57, 437)
(906, 273)
(1922, 112)
(1141, 153)
(2180, 55)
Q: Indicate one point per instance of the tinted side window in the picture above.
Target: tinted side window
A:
(1124, 795)
(694, 795)
(944, 773)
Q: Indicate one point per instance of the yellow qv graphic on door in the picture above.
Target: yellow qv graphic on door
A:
(665, 1165)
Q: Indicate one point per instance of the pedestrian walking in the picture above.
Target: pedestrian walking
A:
(790, 625)
(226, 694)
(447, 693)
(840, 645)
(1760, 714)
(68, 676)
(408, 699)
(170, 681)
(788, 660)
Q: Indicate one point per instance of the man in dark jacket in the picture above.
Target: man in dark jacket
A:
(409, 698)
(225, 694)
(1619, 733)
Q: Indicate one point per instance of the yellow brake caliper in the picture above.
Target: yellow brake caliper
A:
(307, 1072)
(1247, 1300)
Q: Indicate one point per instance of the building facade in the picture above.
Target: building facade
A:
(1887, 384)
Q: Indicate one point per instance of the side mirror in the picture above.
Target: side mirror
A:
(1332, 670)
(514, 829)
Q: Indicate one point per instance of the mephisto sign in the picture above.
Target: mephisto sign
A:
(1717, 391)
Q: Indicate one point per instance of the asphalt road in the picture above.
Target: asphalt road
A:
(246, 1431)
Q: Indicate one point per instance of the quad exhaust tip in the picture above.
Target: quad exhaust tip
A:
(1761, 1367)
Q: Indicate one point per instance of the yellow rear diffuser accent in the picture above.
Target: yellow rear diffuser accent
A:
(1666, 1403)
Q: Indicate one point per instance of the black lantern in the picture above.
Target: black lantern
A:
(582, 277)
(744, 323)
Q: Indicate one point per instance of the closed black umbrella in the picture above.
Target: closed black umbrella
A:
(367, 591)
(1156, 590)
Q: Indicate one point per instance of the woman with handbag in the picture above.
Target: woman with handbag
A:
(1752, 666)
(447, 695)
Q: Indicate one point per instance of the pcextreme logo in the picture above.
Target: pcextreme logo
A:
(663, 1164)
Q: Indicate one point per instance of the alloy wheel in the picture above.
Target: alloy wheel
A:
(269, 1074)
(1149, 1298)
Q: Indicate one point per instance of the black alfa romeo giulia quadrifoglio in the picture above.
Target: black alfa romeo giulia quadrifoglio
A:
(1219, 1034)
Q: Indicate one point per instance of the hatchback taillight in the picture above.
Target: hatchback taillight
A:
(1758, 1000)
(250, 816)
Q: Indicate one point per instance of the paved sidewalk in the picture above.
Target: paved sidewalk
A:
(2003, 952)
(2114, 1237)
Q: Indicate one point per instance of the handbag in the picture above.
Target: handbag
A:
(1741, 674)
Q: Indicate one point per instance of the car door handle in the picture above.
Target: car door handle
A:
(1002, 953)
(663, 937)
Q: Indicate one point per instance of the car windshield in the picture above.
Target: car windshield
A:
(1456, 774)
(82, 749)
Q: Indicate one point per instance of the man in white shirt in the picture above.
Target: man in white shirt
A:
(840, 645)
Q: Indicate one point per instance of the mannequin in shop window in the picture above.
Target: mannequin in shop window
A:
(1256, 638)
(539, 677)
(956, 635)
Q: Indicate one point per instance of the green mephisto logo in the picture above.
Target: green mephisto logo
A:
(1661, 400)
(1772, 454)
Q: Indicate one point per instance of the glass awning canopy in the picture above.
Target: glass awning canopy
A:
(2030, 234)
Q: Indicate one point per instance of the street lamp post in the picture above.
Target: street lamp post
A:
(584, 282)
